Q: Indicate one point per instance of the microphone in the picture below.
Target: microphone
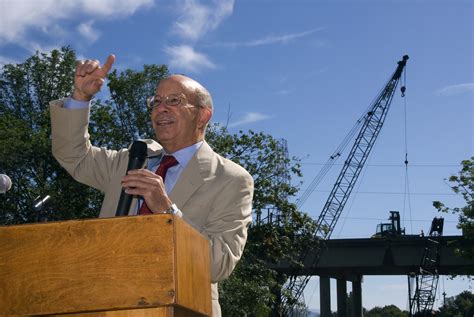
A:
(5, 183)
(136, 160)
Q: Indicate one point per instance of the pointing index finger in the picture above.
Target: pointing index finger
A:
(108, 64)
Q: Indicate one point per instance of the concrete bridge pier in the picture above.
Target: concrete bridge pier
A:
(325, 296)
(341, 297)
(357, 296)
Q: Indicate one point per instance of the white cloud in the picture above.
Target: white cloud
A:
(272, 39)
(186, 58)
(87, 30)
(250, 117)
(196, 19)
(110, 8)
(18, 17)
(281, 39)
(455, 89)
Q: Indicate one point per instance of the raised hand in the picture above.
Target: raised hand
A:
(90, 77)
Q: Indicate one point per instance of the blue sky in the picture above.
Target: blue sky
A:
(304, 71)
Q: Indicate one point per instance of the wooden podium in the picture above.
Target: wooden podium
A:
(155, 265)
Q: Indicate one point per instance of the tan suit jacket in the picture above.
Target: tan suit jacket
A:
(213, 193)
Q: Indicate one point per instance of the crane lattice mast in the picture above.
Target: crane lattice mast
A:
(365, 140)
(426, 279)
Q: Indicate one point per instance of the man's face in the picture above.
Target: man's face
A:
(177, 127)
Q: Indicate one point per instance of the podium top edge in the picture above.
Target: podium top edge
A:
(133, 219)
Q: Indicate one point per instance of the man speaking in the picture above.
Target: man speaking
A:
(182, 175)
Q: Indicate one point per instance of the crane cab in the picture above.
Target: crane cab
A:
(390, 229)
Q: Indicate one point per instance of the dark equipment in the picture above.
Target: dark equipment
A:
(390, 229)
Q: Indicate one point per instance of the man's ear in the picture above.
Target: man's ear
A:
(204, 116)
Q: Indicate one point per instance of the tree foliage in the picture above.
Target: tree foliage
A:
(458, 306)
(463, 184)
(279, 233)
(386, 311)
(25, 146)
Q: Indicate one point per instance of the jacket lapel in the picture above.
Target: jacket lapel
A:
(193, 176)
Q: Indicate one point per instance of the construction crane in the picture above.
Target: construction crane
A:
(372, 124)
(426, 279)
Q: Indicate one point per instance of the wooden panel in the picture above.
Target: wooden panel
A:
(88, 265)
(183, 312)
(168, 311)
(148, 312)
(193, 270)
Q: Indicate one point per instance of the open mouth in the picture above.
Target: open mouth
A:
(164, 122)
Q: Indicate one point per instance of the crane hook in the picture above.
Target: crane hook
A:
(402, 89)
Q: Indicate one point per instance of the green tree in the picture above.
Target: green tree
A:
(25, 147)
(461, 305)
(463, 184)
(386, 311)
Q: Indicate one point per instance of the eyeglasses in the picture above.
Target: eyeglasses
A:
(172, 100)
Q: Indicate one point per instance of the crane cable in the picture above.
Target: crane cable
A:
(329, 164)
(334, 156)
(406, 195)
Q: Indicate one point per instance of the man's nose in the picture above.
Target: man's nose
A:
(162, 107)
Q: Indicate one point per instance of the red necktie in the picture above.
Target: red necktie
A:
(166, 162)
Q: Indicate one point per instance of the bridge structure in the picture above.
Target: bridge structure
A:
(348, 260)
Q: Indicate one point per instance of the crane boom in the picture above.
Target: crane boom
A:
(374, 120)
(365, 140)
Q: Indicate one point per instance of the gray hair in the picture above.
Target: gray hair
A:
(203, 98)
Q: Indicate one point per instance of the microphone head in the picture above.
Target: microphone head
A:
(5, 183)
(139, 149)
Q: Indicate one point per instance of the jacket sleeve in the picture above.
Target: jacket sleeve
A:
(72, 148)
(227, 224)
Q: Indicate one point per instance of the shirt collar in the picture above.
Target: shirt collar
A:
(184, 155)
